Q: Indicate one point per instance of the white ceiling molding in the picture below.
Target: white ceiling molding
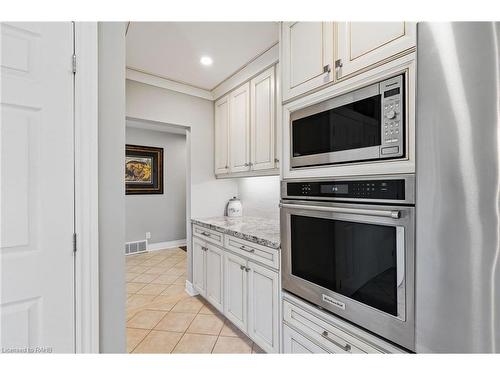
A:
(250, 70)
(156, 126)
(165, 83)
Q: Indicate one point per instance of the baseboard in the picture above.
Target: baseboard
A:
(166, 245)
(190, 289)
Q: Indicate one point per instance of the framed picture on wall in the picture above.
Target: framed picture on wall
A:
(143, 170)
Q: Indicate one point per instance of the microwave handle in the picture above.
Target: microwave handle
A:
(394, 214)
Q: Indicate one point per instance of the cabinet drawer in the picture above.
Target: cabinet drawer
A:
(209, 235)
(259, 253)
(295, 343)
(332, 338)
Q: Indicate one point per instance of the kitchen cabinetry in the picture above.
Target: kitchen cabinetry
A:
(295, 343)
(362, 44)
(222, 135)
(241, 279)
(245, 128)
(306, 56)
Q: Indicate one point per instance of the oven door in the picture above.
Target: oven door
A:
(356, 261)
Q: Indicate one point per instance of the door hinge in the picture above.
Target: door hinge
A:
(74, 242)
(73, 59)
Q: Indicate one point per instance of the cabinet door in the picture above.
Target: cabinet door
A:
(214, 274)
(235, 290)
(263, 300)
(307, 56)
(199, 274)
(295, 343)
(263, 124)
(361, 44)
(222, 135)
(239, 128)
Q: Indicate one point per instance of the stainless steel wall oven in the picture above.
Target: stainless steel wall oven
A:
(348, 247)
(365, 124)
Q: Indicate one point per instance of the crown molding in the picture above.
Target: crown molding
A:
(165, 83)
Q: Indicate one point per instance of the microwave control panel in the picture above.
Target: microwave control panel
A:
(392, 137)
(362, 189)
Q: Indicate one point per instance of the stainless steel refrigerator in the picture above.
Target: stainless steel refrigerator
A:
(458, 190)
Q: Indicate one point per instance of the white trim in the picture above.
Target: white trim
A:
(255, 67)
(166, 245)
(190, 289)
(165, 83)
(86, 190)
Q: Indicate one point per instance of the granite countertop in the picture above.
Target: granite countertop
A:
(255, 229)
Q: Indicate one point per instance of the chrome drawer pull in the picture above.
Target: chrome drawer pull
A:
(205, 234)
(247, 250)
(242, 267)
(345, 347)
(345, 210)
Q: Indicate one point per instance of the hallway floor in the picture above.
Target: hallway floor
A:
(163, 318)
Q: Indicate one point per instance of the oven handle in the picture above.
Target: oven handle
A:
(345, 210)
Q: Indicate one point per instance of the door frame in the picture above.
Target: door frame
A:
(86, 263)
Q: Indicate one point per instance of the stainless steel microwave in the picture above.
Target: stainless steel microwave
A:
(362, 125)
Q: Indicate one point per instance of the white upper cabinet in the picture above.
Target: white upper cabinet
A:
(262, 116)
(239, 128)
(222, 135)
(362, 44)
(306, 56)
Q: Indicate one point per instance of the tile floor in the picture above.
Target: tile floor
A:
(163, 318)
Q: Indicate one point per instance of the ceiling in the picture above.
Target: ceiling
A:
(173, 49)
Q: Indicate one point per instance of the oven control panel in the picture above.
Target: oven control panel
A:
(361, 189)
(392, 117)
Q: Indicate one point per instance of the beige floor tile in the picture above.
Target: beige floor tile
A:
(181, 280)
(129, 276)
(189, 305)
(175, 271)
(230, 330)
(233, 345)
(157, 270)
(208, 309)
(176, 322)
(151, 262)
(163, 303)
(206, 324)
(133, 287)
(152, 289)
(176, 290)
(134, 337)
(257, 349)
(146, 319)
(138, 269)
(133, 262)
(193, 343)
(165, 279)
(145, 278)
(158, 342)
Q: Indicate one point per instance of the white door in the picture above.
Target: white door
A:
(239, 128)
(307, 56)
(295, 343)
(263, 307)
(263, 120)
(235, 290)
(199, 275)
(36, 252)
(222, 135)
(214, 273)
(361, 44)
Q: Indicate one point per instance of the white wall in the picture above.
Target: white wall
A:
(163, 215)
(260, 196)
(111, 187)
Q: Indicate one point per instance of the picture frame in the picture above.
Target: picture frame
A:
(143, 170)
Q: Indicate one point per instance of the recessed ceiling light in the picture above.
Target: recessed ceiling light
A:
(205, 60)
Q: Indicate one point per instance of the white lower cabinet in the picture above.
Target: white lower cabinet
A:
(214, 258)
(295, 343)
(199, 267)
(263, 303)
(235, 290)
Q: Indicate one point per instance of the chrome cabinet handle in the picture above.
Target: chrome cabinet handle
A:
(205, 234)
(250, 164)
(247, 250)
(242, 267)
(327, 69)
(345, 347)
(247, 165)
(338, 64)
(204, 248)
(345, 210)
(247, 269)
(276, 160)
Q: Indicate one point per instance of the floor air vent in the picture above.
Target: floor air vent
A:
(136, 247)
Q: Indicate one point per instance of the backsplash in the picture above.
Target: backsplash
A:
(260, 196)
